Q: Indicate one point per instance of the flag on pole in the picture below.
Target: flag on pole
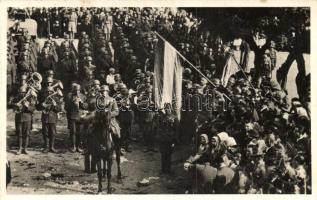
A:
(229, 69)
(168, 74)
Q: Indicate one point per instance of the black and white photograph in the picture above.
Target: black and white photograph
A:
(158, 100)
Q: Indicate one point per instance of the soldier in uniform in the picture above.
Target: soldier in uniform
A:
(74, 106)
(126, 116)
(69, 70)
(24, 65)
(87, 82)
(11, 76)
(89, 162)
(50, 105)
(46, 62)
(168, 131)
(24, 104)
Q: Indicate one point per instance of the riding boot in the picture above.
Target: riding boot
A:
(73, 143)
(52, 142)
(78, 149)
(87, 163)
(93, 165)
(20, 145)
(46, 142)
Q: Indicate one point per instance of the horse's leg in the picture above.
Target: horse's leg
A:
(109, 165)
(99, 174)
(104, 169)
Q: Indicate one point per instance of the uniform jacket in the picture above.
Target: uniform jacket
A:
(25, 114)
(74, 110)
(49, 114)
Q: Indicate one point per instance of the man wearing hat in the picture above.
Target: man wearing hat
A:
(24, 104)
(110, 77)
(88, 66)
(89, 163)
(126, 116)
(46, 62)
(11, 76)
(105, 102)
(88, 82)
(74, 106)
(69, 70)
(24, 65)
(50, 106)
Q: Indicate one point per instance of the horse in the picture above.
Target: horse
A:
(103, 145)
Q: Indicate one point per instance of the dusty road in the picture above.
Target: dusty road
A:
(31, 172)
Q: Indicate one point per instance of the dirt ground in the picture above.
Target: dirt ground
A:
(62, 173)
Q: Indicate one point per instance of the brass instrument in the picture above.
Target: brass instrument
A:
(27, 95)
(49, 99)
(58, 84)
(34, 82)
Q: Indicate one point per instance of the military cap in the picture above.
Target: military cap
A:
(148, 90)
(49, 80)
(142, 75)
(121, 86)
(23, 89)
(76, 87)
(124, 91)
(104, 88)
(267, 51)
(138, 71)
(96, 82)
(216, 81)
(187, 70)
(50, 72)
(24, 77)
(148, 73)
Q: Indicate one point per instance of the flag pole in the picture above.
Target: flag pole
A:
(192, 65)
(242, 70)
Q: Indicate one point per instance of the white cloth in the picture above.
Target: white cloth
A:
(110, 79)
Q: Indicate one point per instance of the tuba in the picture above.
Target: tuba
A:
(34, 82)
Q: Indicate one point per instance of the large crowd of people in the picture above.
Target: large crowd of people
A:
(249, 139)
